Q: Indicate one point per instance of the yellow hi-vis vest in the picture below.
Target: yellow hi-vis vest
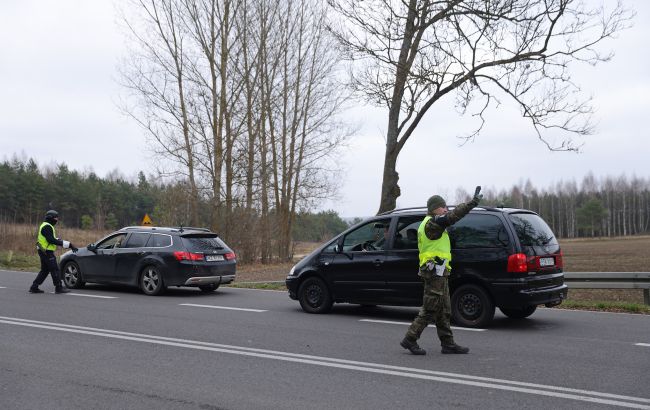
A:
(42, 242)
(429, 249)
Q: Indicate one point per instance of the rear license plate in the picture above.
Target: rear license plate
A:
(546, 262)
(213, 258)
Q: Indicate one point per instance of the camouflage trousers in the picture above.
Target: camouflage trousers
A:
(436, 308)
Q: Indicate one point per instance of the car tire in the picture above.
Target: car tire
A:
(519, 313)
(151, 281)
(72, 277)
(314, 296)
(209, 288)
(471, 306)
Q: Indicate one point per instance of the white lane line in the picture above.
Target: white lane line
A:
(431, 375)
(223, 307)
(408, 323)
(3, 287)
(642, 344)
(93, 296)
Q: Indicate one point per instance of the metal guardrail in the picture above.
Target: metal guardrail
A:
(610, 280)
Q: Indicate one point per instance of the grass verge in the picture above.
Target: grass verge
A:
(259, 285)
(19, 261)
(604, 306)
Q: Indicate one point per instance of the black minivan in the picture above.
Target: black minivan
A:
(501, 257)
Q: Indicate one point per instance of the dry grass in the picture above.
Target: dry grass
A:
(621, 254)
(21, 239)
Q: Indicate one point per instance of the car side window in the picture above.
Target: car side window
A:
(136, 240)
(406, 234)
(112, 242)
(159, 241)
(478, 231)
(368, 237)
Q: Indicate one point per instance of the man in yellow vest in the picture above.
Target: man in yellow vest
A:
(435, 258)
(46, 245)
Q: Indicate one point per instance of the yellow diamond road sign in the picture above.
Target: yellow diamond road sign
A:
(146, 221)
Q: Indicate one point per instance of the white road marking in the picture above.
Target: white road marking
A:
(408, 323)
(3, 287)
(642, 344)
(93, 296)
(431, 375)
(223, 307)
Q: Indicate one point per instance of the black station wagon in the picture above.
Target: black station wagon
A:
(152, 259)
(501, 257)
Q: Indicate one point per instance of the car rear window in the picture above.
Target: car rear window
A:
(532, 230)
(478, 231)
(202, 243)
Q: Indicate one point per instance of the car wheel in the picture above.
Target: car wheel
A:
(471, 306)
(151, 281)
(314, 296)
(72, 276)
(519, 313)
(209, 288)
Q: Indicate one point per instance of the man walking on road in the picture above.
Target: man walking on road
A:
(46, 245)
(435, 258)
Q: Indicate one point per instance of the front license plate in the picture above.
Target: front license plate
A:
(546, 262)
(213, 258)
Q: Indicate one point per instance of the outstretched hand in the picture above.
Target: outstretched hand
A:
(477, 194)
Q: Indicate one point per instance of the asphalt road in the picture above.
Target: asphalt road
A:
(115, 348)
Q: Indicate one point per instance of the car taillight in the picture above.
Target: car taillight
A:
(517, 263)
(559, 262)
(188, 256)
(230, 255)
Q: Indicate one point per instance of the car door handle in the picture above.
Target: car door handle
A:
(378, 262)
(143, 253)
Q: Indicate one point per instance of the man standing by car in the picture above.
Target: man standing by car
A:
(435, 257)
(46, 244)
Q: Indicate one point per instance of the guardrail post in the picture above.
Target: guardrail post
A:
(646, 296)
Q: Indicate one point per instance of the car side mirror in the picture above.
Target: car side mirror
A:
(337, 248)
(92, 247)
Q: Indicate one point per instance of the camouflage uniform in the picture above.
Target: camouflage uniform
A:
(436, 304)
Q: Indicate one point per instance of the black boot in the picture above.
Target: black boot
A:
(35, 290)
(61, 289)
(454, 349)
(412, 347)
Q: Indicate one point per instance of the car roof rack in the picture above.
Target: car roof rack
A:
(192, 228)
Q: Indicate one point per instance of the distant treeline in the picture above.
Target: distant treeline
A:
(611, 206)
(87, 201)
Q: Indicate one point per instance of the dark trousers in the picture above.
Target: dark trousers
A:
(436, 308)
(48, 266)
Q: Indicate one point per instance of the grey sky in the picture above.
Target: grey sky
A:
(58, 65)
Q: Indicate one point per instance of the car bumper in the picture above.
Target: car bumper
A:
(209, 280)
(514, 297)
(292, 286)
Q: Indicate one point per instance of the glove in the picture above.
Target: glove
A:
(477, 195)
(73, 248)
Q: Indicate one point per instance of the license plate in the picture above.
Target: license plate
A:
(546, 262)
(213, 258)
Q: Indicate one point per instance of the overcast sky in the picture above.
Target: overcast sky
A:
(58, 94)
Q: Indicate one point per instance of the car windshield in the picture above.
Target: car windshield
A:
(532, 230)
(202, 243)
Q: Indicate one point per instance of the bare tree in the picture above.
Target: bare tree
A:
(409, 54)
(156, 76)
